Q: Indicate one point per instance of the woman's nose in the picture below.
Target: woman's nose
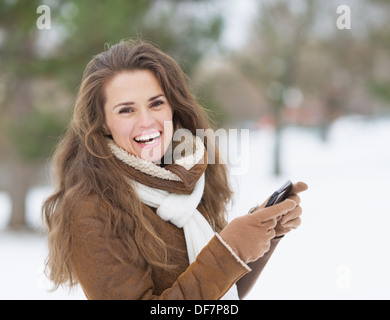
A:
(145, 118)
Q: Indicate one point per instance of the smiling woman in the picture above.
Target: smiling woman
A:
(142, 123)
(124, 223)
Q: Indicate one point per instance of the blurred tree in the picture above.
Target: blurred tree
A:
(347, 69)
(379, 34)
(187, 30)
(79, 29)
(19, 60)
(272, 59)
(311, 72)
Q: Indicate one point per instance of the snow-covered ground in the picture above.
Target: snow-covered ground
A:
(341, 251)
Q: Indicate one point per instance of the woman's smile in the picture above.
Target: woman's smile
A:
(138, 115)
(148, 139)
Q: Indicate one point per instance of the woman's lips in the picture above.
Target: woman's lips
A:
(148, 139)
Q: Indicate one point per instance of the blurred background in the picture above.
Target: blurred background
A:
(310, 79)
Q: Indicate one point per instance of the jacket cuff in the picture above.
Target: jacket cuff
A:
(233, 253)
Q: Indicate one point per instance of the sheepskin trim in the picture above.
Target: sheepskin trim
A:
(234, 254)
(188, 162)
(140, 164)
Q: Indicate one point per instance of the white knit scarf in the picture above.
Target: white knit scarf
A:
(180, 210)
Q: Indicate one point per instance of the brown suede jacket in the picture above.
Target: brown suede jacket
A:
(209, 277)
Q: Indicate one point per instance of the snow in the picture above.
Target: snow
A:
(22, 263)
(341, 250)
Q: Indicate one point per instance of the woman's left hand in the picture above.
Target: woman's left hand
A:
(292, 219)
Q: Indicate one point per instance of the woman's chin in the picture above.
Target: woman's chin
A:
(152, 153)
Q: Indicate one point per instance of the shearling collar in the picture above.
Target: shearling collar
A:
(179, 177)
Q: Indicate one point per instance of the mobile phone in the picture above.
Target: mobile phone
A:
(280, 194)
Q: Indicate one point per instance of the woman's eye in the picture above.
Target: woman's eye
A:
(157, 103)
(125, 110)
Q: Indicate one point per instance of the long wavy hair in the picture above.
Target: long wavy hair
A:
(84, 165)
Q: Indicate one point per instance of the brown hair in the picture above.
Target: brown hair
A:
(84, 165)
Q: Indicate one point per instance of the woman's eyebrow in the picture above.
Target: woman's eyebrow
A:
(123, 104)
(129, 103)
(156, 97)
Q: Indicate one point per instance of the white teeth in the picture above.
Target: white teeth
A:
(148, 138)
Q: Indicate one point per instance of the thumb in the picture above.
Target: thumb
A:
(298, 187)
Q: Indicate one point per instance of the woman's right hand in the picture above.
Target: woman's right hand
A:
(250, 235)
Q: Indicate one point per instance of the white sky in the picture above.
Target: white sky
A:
(239, 15)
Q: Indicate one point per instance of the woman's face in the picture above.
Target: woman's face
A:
(138, 115)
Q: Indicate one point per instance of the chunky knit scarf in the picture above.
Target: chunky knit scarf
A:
(180, 210)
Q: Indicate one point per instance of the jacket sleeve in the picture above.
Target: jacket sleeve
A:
(246, 283)
(103, 276)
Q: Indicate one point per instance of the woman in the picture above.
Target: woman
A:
(132, 216)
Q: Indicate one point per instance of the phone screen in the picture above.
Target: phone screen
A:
(280, 194)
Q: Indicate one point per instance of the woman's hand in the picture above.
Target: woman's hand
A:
(291, 220)
(250, 235)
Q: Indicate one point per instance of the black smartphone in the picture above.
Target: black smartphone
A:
(280, 194)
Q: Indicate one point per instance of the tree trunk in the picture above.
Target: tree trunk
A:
(277, 148)
(19, 106)
(21, 182)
